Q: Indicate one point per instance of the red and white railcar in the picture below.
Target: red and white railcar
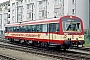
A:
(65, 31)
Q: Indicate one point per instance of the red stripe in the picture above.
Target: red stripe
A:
(37, 39)
(42, 40)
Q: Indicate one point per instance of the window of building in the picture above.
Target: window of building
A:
(5, 15)
(73, 1)
(8, 4)
(25, 0)
(42, 4)
(42, 13)
(5, 21)
(29, 0)
(0, 9)
(29, 15)
(0, 19)
(8, 15)
(8, 10)
(57, 11)
(28, 6)
(13, 18)
(19, 17)
(57, 2)
(20, 8)
(13, 11)
(73, 11)
(13, 4)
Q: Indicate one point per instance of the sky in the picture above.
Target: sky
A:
(3, 1)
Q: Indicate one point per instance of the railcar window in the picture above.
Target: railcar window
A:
(44, 28)
(28, 28)
(8, 29)
(33, 28)
(23, 28)
(17, 29)
(53, 27)
(71, 25)
(14, 29)
(38, 28)
(11, 29)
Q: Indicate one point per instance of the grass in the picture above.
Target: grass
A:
(86, 45)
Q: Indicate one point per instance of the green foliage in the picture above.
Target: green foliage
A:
(87, 38)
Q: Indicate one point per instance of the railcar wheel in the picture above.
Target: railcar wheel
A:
(11, 40)
(57, 47)
(46, 45)
(29, 42)
(21, 41)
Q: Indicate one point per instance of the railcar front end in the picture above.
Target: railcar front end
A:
(72, 30)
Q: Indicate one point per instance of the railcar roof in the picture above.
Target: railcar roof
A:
(32, 22)
(41, 21)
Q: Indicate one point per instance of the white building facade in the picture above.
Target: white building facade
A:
(4, 16)
(26, 10)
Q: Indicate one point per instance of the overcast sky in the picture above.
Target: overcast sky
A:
(3, 1)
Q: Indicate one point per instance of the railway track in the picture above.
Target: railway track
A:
(83, 49)
(63, 55)
(36, 51)
(4, 57)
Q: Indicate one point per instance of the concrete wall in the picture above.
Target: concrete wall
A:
(82, 10)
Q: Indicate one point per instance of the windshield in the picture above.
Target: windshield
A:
(71, 25)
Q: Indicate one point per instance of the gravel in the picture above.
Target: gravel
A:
(24, 55)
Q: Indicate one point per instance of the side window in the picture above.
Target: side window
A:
(33, 28)
(57, 27)
(44, 28)
(11, 29)
(54, 27)
(51, 26)
(23, 28)
(28, 28)
(17, 29)
(38, 28)
(14, 29)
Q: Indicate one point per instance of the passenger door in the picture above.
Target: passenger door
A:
(53, 31)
